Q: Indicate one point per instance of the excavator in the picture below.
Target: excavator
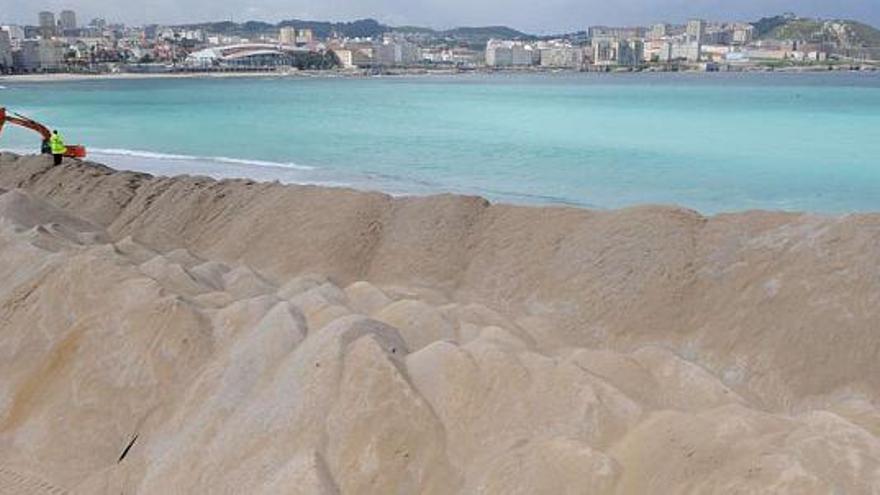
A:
(73, 150)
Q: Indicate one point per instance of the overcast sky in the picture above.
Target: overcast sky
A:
(537, 16)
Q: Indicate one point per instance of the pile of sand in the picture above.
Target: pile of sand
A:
(192, 336)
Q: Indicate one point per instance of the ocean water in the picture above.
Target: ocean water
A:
(712, 142)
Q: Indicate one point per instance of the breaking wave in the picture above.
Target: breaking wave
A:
(219, 159)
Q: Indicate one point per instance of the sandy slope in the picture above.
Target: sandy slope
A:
(259, 338)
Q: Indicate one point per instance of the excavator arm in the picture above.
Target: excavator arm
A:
(73, 150)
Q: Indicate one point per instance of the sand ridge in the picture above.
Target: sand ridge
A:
(253, 338)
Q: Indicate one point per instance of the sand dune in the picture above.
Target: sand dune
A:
(186, 335)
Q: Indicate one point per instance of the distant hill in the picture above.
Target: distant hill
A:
(486, 33)
(844, 32)
(470, 34)
(360, 29)
(322, 29)
(474, 37)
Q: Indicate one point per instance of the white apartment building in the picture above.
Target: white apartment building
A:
(287, 36)
(305, 36)
(5, 52)
(499, 55)
(15, 33)
(353, 57)
(396, 52)
(504, 53)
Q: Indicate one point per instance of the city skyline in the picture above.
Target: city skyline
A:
(534, 18)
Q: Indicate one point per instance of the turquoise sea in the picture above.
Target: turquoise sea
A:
(712, 142)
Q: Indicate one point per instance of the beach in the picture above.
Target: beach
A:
(123, 76)
(193, 335)
(405, 72)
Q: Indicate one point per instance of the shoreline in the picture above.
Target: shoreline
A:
(415, 72)
(229, 174)
(123, 76)
(221, 177)
(222, 169)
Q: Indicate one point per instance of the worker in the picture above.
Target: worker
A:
(56, 144)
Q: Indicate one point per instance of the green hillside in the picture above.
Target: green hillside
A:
(844, 32)
(361, 28)
(470, 34)
(486, 33)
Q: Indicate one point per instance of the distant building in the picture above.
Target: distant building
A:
(5, 53)
(696, 31)
(503, 53)
(616, 32)
(67, 20)
(287, 36)
(604, 50)
(659, 31)
(393, 51)
(767, 54)
(387, 54)
(818, 56)
(458, 56)
(466, 57)
(245, 55)
(196, 35)
(562, 57)
(715, 52)
(743, 34)
(652, 50)
(305, 36)
(696, 28)
(41, 56)
(523, 55)
(46, 23)
(15, 33)
(150, 30)
(433, 55)
(632, 52)
(345, 57)
(665, 53)
(499, 54)
(717, 35)
(679, 49)
(690, 51)
(354, 56)
(614, 51)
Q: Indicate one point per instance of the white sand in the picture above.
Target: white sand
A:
(260, 338)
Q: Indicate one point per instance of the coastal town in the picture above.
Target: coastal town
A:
(61, 43)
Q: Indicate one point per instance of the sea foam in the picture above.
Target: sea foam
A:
(152, 155)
